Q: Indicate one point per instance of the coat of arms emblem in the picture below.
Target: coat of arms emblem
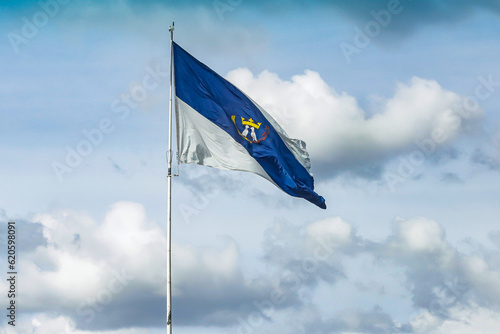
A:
(250, 130)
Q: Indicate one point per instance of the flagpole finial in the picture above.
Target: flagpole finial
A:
(171, 29)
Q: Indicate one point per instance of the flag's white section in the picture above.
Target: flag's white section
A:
(296, 146)
(202, 142)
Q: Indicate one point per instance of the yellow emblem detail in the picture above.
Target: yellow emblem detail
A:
(250, 123)
(250, 127)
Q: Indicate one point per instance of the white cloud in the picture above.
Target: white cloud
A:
(420, 236)
(339, 133)
(463, 320)
(44, 324)
(82, 253)
(118, 265)
(441, 277)
(197, 267)
(92, 271)
(133, 242)
(333, 229)
(483, 274)
(58, 283)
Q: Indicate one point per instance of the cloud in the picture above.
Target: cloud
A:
(49, 324)
(116, 167)
(375, 321)
(446, 154)
(441, 277)
(451, 178)
(196, 24)
(30, 238)
(118, 265)
(418, 236)
(413, 14)
(495, 237)
(340, 135)
(111, 274)
(212, 288)
(304, 257)
(481, 158)
(463, 319)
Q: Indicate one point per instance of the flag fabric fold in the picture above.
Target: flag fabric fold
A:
(219, 126)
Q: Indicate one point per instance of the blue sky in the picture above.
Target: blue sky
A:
(404, 137)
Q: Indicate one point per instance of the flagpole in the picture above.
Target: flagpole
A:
(169, 191)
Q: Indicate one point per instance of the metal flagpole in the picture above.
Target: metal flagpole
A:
(169, 191)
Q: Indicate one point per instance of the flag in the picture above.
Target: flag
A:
(219, 126)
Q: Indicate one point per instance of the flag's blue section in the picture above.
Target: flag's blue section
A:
(227, 107)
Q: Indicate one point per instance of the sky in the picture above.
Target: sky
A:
(398, 102)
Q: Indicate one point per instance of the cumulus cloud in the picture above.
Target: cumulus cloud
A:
(50, 324)
(30, 239)
(212, 289)
(449, 289)
(339, 134)
(374, 321)
(441, 277)
(482, 158)
(111, 274)
(112, 277)
(419, 236)
(306, 256)
(463, 319)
